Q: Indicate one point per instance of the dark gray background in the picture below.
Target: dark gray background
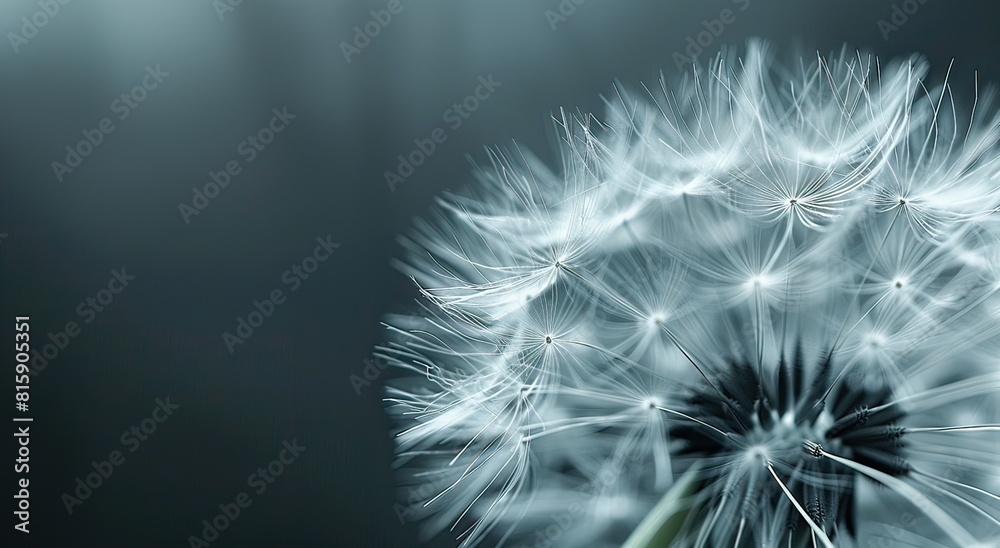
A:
(324, 175)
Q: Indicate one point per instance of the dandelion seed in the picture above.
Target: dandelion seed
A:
(781, 286)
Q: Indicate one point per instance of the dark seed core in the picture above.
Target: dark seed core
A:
(778, 415)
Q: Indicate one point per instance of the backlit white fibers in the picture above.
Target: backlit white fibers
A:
(786, 278)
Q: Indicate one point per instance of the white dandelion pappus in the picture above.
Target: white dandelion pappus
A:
(781, 286)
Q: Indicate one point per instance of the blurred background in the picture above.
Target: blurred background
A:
(169, 92)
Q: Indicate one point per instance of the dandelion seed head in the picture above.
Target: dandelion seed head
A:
(781, 283)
